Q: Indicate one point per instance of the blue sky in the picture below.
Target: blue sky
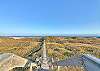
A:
(49, 17)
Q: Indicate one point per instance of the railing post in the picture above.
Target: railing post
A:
(30, 67)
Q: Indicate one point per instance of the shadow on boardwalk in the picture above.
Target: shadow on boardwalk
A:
(42, 69)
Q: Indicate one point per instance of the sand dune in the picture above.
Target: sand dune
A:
(9, 61)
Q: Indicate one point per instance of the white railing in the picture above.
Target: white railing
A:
(93, 58)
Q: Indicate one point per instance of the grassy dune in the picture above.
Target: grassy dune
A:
(58, 47)
(18, 46)
(63, 47)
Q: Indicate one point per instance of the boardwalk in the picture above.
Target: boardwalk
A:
(73, 61)
(91, 63)
(44, 64)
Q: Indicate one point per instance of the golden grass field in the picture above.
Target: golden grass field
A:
(57, 47)
(63, 47)
(18, 46)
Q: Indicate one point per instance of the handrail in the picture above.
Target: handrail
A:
(92, 58)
